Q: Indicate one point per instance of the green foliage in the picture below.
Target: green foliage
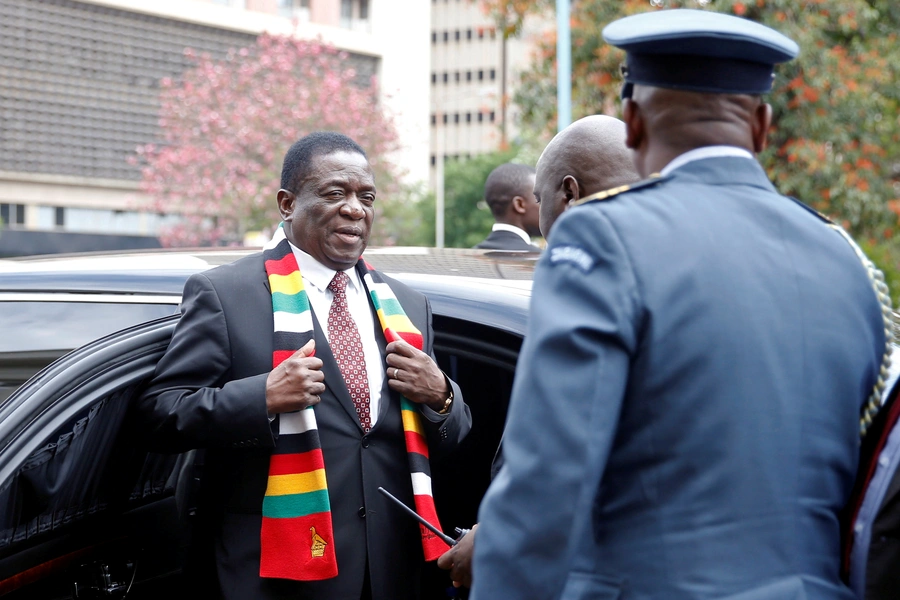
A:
(405, 219)
(835, 141)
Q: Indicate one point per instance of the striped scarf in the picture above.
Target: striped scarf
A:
(296, 537)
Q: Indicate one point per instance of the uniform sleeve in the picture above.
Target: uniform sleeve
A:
(568, 391)
(190, 403)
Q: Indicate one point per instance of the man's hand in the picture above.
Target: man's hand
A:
(412, 373)
(296, 383)
(458, 560)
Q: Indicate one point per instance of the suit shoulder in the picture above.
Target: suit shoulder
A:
(616, 192)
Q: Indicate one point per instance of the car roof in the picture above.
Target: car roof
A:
(164, 271)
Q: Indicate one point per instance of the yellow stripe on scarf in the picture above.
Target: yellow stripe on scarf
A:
(411, 422)
(296, 483)
(286, 284)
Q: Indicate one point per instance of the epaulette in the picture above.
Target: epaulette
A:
(812, 210)
(607, 194)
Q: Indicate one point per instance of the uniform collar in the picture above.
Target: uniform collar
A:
(703, 153)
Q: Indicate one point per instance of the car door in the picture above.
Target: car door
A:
(83, 512)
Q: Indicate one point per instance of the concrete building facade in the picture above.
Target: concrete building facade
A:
(468, 83)
(79, 82)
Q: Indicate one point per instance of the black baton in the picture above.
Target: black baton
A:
(447, 539)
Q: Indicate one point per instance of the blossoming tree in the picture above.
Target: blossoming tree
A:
(226, 125)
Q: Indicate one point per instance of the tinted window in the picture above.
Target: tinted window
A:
(34, 334)
(29, 326)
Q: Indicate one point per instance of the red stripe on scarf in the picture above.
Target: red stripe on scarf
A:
(416, 443)
(410, 337)
(281, 557)
(289, 464)
(432, 545)
(282, 266)
(279, 356)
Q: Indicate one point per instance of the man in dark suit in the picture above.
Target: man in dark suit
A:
(260, 366)
(699, 348)
(508, 193)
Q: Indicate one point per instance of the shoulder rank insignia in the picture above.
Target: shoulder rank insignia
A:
(607, 194)
(812, 210)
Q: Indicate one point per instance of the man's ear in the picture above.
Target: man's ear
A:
(518, 205)
(286, 200)
(762, 119)
(571, 189)
(634, 124)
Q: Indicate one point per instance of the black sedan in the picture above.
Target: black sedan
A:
(84, 511)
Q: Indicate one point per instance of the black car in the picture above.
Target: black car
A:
(87, 513)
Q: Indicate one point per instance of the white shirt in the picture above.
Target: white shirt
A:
(316, 278)
(705, 152)
(513, 229)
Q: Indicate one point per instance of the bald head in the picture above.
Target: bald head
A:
(587, 157)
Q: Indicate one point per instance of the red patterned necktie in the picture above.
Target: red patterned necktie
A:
(343, 337)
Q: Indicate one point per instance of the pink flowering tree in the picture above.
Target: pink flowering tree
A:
(226, 125)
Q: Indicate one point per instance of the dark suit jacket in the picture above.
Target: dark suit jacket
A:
(506, 240)
(883, 566)
(209, 392)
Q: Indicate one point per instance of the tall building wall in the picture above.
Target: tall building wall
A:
(79, 83)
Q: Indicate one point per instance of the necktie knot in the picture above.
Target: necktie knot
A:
(338, 285)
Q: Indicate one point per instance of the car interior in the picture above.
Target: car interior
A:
(85, 512)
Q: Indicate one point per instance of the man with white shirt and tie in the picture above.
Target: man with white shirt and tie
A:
(509, 193)
(699, 352)
(309, 379)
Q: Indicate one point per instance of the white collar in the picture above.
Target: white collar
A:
(318, 274)
(512, 229)
(705, 152)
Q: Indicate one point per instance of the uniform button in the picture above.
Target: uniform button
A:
(361, 512)
(365, 442)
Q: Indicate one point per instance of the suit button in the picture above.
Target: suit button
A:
(361, 512)
(365, 442)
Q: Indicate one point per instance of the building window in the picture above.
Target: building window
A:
(456, 77)
(294, 9)
(493, 116)
(60, 216)
(444, 119)
(468, 34)
(12, 214)
(434, 37)
(446, 77)
(480, 75)
(493, 74)
(456, 35)
(480, 117)
(355, 15)
(468, 75)
(456, 118)
(446, 36)
(433, 160)
(434, 119)
(433, 78)
(468, 117)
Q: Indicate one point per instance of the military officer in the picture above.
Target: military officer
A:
(698, 353)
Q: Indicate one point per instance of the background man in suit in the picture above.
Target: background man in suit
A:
(508, 193)
(587, 157)
(698, 351)
(313, 319)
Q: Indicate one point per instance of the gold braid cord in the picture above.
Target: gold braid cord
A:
(873, 404)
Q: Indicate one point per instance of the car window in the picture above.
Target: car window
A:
(33, 335)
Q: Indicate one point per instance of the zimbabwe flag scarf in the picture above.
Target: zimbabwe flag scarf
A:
(296, 538)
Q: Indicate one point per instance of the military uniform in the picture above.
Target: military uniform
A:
(689, 390)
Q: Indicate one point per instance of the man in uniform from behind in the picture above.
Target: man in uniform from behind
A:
(698, 352)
